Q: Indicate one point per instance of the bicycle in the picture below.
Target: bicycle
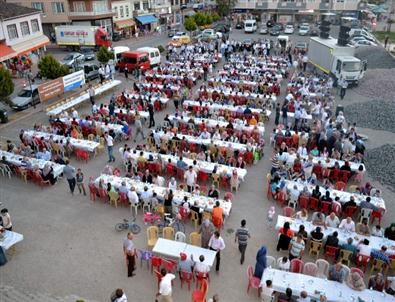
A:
(126, 225)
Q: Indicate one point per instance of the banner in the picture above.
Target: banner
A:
(74, 80)
(50, 89)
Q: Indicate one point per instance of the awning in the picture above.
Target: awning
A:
(146, 19)
(6, 52)
(124, 23)
(30, 45)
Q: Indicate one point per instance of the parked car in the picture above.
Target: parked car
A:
(25, 98)
(3, 114)
(275, 31)
(88, 53)
(303, 24)
(91, 71)
(212, 33)
(177, 41)
(358, 38)
(289, 29)
(180, 33)
(304, 30)
(263, 30)
(364, 43)
(301, 46)
(270, 23)
(314, 32)
(72, 59)
(171, 33)
(239, 25)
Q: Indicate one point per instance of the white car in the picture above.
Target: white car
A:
(304, 30)
(212, 33)
(72, 59)
(289, 29)
(364, 43)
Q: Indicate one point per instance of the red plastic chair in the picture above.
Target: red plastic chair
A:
(337, 208)
(357, 270)
(154, 168)
(253, 282)
(326, 173)
(228, 196)
(335, 174)
(169, 265)
(288, 211)
(92, 192)
(377, 215)
(158, 277)
(317, 170)
(326, 207)
(331, 251)
(180, 173)
(202, 177)
(156, 262)
(340, 186)
(225, 181)
(249, 158)
(296, 266)
(124, 199)
(303, 202)
(362, 261)
(199, 295)
(103, 194)
(37, 179)
(186, 277)
(313, 203)
(350, 211)
(344, 176)
(171, 170)
(200, 277)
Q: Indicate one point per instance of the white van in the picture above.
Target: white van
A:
(355, 32)
(250, 26)
(118, 50)
(154, 55)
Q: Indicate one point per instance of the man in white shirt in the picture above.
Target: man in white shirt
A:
(267, 292)
(119, 296)
(303, 297)
(364, 248)
(217, 244)
(165, 291)
(294, 195)
(190, 177)
(110, 146)
(129, 250)
(133, 197)
(200, 266)
(332, 221)
(302, 151)
(347, 224)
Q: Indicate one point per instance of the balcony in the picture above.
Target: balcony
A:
(91, 15)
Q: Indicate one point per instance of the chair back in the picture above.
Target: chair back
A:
(315, 247)
(229, 195)
(270, 261)
(349, 211)
(250, 272)
(322, 268)
(296, 266)
(152, 234)
(357, 270)
(195, 239)
(168, 233)
(169, 265)
(336, 207)
(340, 186)
(180, 237)
(346, 271)
(310, 269)
(366, 213)
(144, 255)
(303, 202)
(345, 256)
(288, 211)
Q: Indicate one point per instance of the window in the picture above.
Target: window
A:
(137, 6)
(25, 28)
(57, 7)
(38, 5)
(100, 6)
(12, 31)
(121, 11)
(145, 6)
(35, 25)
(126, 10)
(116, 12)
(79, 6)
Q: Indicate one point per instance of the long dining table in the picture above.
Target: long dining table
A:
(9, 239)
(203, 202)
(315, 287)
(374, 241)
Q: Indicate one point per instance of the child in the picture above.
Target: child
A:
(270, 216)
(80, 181)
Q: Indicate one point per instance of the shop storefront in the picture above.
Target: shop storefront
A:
(147, 23)
(127, 28)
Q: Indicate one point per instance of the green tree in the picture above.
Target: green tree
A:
(390, 22)
(200, 19)
(104, 55)
(50, 68)
(190, 24)
(225, 6)
(209, 20)
(6, 83)
(215, 17)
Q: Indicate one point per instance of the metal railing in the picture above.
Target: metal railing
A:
(90, 13)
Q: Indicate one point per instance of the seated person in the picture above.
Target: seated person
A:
(364, 248)
(381, 254)
(336, 272)
(213, 192)
(355, 281)
(302, 232)
(332, 221)
(285, 237)
(326, 197)
(363, 227)
(350, 203)
(350, 247)
(318, 219)
(377, 282)
(390, 286)
(283, 263)
(377, 231)
(267, 291)
(302, 215)
(347, 224)
(200, 266)
(287, 296)
(317, 234)
(332, 240)
(185, 264)
(303, 297)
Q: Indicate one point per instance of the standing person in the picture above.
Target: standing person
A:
(165, 290)
(284, 110)
(260, 265)
(130, 253)
(126, 71)
(343, 86)
(176, 99)
(139, 127)
(80, 181)
(206, 230)
(111, 106)
(296, 247)
(205, 71)
(118, 296)
(151, 115)
(386, 41)
(278, 111)
(305, 59)
(101, 74)
(242, 234)
(217, 244)
(69, 172)
(190, 177)
(91, 94)
(6, 219)
(110, 145)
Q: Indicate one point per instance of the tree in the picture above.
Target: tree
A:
(50, 68)
(390, 22)
(200, 19)
(215, 17)
(104, 55)
(190, 24)
(225, 6)
(6, 84)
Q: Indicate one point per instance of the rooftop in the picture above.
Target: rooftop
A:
(11, 10)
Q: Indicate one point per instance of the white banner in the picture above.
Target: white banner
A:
(74, 80)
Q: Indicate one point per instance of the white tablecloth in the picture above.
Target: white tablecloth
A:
(333, 290)
(16, 160)
(216, 107)
(76, 143)
(203, 202)
(374, 242)
(213, 123)
(116, 127)
(159, 86)
(163, 100)
(344, 196)
(305, 115)
(173, 249)
(143, 114)
(10, 238)
(83, 97)
(204, 166)
(218, 143)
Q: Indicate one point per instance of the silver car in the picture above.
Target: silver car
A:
(73, 59)
(25, 98)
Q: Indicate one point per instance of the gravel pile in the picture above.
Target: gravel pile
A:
(380, 163)
(377, 57)
(377, 83)
(375, 114)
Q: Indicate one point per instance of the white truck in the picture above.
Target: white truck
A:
(250, 26)
(76, 36)
(337, 61)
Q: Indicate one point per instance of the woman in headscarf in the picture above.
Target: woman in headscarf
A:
(377, 282)
(47, 173)
(355, 281)
(260, 262)
(206, 230)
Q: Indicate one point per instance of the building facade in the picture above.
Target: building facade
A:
(21, 33)
(123, 19)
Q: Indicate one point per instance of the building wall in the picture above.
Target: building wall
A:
(336, 5)
(17, 22)
(123, 10)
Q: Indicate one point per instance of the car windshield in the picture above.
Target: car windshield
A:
(68, 58)
(248, 25)
(351, 66)
(304, 28)
(25, 93)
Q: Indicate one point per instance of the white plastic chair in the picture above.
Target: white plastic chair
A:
(366, 213)
(270, 261)
(180, 237)
(310, 269)
(322, 268)
(346, 272)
